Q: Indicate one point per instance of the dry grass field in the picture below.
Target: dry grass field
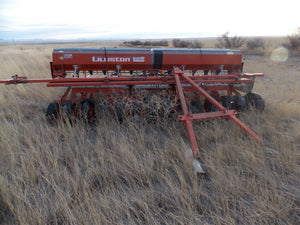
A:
(137, 173)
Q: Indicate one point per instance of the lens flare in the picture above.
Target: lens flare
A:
(280, 54)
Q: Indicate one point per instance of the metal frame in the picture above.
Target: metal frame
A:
(183, 82)
(188, 117)
(175, 81)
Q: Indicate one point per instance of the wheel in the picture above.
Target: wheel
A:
(228, 102)
(67, 108)
(240, 102)
(209, 107)
(120, 112)
(52, 111)
(255, 101)
(180, 109)
(88, 110)
(102, 109)
(195, 106)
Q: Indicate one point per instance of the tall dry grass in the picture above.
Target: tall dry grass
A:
(137, 173)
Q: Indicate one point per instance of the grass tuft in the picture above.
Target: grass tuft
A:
(138, 173)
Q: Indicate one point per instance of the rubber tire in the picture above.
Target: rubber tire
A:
(87, 105)
(209, 107)
(228, 102)
(52, 111)
(120, 111)
(255, 101)
(67, 108)
(180, 109)
(196, 106)
(240, 102)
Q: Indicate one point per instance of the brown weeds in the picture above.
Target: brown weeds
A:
(138, 173)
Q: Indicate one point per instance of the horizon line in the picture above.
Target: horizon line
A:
(126, 38)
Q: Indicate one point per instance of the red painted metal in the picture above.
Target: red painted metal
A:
(105, 59)
(223, 111)
(122, 72)
(207, 116)
(188, 122)
(130, 80)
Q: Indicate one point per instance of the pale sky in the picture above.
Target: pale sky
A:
(115, 19)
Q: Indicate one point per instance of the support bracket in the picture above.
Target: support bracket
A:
(188, 117)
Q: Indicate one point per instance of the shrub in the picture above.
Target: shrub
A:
(293, 42)
(177, 43)
(197, 44)
(255, 44)
(230, 42)
(133, 42)
(146, 43)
